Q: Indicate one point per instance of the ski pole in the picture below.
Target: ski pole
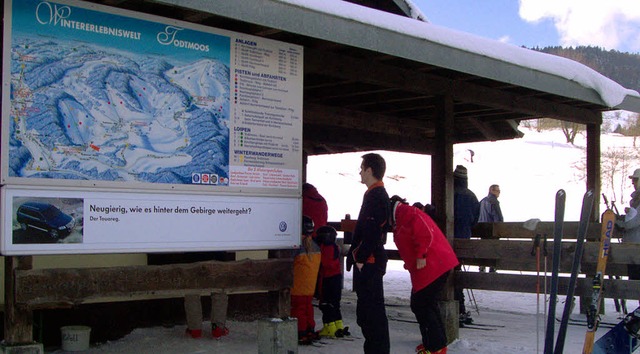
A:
(471, 295)
(544, 253)
(606, 201)
(615, 208)
(473, 299)
(536, 251)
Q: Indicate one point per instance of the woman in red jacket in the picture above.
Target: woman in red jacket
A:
(428, 257)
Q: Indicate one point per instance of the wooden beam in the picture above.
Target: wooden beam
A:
(345, 67)
(488, 132)
(44, 288)
(516, 230)
(317, 135)
(379, 123)
(624, 289)
(516, 255)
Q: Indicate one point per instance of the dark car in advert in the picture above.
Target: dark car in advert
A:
(45, 217)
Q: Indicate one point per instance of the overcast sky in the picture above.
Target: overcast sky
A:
(610, 24)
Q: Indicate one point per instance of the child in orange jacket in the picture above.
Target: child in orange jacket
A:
(305, 274)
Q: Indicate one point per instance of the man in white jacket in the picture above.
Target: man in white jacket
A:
(631, 223)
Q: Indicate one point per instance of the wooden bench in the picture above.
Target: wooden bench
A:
(28, 289)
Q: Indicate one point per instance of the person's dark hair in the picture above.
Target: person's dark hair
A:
(326, 235)
(430, 210)
(397, 198)
(307, 225)
(418, 205)
(376, 163)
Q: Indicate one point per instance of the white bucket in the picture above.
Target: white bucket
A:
(75, 338)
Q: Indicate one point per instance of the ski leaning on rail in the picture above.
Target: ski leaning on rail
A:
(593, 313)
(585, 218)
(561, 197)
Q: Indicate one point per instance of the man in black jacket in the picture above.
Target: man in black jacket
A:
(370, 259)
(466, 210)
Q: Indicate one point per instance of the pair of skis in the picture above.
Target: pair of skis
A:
(593, 319)
(585, 216)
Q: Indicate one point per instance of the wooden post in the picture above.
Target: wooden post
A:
(18, 320)
(442, 166)
(442, 199)
(280, 303)
(277, 336)
(593, 167)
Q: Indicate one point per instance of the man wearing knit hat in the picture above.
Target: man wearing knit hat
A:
(635, 196)
(466, 207)
(466, 210)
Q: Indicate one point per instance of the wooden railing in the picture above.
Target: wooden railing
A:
(508, 247)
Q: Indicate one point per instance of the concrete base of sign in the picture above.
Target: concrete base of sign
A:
(32, 348)
(277, 336)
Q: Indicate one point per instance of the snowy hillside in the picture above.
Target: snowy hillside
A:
(529, 171)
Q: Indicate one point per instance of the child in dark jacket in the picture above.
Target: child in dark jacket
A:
(330, 283)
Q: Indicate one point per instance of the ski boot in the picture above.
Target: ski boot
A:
(194, 333)
(304, 338)
(465, 319)
(341, 330)
(329, 330)
(218, 331)
(420, 349)
(313, 334)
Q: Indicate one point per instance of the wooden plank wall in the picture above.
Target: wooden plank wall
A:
(508, 247)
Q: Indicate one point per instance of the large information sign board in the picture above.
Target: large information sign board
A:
(108, 101)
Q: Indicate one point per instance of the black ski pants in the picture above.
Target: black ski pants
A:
(371, 315)
(424, 305)
(330, 298)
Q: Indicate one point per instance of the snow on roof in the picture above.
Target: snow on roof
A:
(610, 92)
(414, 11)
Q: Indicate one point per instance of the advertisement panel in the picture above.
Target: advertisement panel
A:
(129, 105)
(65, 222)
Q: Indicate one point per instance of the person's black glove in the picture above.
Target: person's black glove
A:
(349, 262)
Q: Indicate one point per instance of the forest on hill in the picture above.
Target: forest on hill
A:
(624, 68)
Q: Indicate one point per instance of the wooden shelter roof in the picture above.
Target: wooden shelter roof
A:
(367, 87)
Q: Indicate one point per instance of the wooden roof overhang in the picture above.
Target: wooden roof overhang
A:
(370, 88)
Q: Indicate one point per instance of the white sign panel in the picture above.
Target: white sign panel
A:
(96, 96)
(60, 222)
(126, 132)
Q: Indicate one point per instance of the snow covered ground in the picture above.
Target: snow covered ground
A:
(529, 170)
